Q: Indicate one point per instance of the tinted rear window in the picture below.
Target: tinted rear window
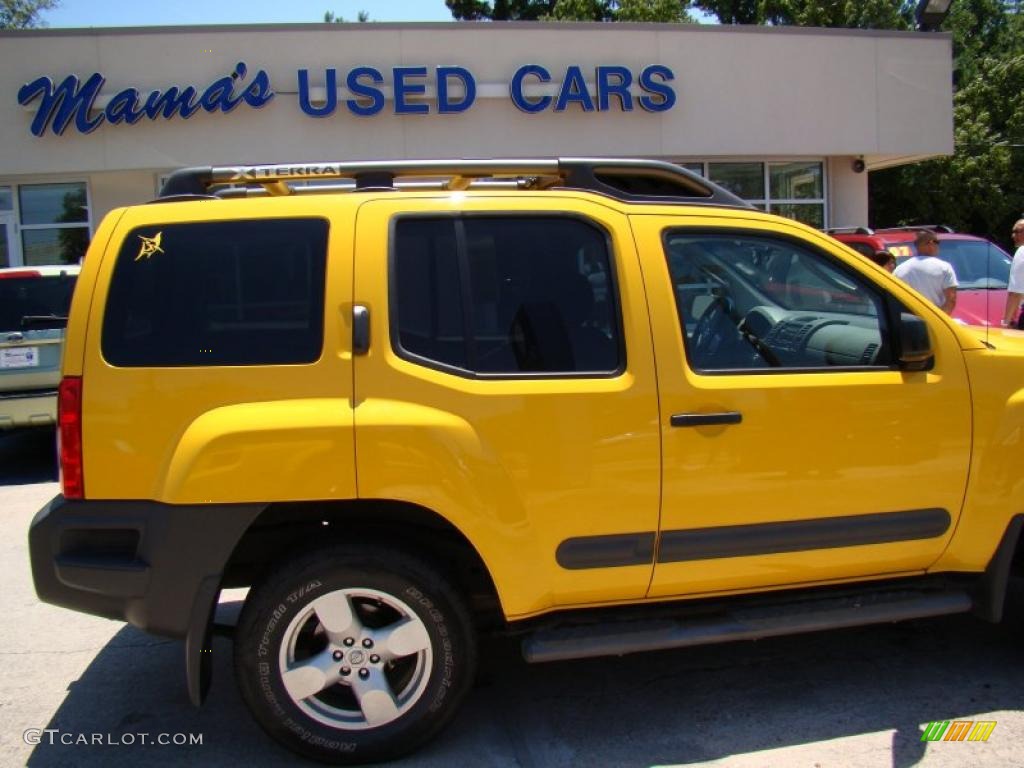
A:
(218, 293)
(22, 297)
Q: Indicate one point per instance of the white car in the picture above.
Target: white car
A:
(34, 303)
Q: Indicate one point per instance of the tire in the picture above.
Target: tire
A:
(353, 654)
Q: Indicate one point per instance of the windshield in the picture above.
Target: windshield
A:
(33, 295)
(978, 265)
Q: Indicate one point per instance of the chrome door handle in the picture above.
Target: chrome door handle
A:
(705, 419)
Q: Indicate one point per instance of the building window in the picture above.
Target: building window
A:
(793, 189)
(54, 223)
(745, 180)
(6, 227)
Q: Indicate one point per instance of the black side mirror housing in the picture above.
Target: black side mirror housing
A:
(915, 345)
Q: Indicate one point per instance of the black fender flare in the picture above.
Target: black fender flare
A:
(990, 592)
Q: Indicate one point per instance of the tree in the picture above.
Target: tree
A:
(869, 14)
(501, 10)
(331, 18)
(979, 188)
(571, 10)
(23, 14)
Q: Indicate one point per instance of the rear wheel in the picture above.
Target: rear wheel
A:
(354, 654)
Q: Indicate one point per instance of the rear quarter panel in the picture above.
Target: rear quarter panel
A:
(227, 434)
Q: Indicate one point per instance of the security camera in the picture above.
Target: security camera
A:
(858, 165)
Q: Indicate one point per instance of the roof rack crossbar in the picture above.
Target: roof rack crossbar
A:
(624, 179)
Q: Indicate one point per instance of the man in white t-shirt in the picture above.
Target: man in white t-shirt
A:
(928, 273)
(1015, 289)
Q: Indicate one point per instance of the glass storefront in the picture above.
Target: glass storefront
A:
(793, 189)
(44, 224)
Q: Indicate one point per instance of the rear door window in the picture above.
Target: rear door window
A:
(218, 293)
(499, 296)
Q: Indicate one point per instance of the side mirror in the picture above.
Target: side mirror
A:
(915, 346)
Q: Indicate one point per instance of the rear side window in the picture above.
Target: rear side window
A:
(505, 295)
(218, 293)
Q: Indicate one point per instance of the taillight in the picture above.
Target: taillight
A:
(69, 437)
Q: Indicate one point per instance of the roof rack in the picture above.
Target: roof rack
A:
(943, 228)
(624, 179)
(849, 231)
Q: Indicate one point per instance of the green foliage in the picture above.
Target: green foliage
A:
(652, 10)
(331, 18)
(855, 14)
(980, 189)
(23, 14)
(571, 10)
(501, 10)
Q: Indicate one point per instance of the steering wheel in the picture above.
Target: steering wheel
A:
(713, 328)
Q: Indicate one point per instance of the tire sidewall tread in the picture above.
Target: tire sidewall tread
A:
(289, 588)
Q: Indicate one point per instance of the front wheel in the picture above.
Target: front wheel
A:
(354, 654)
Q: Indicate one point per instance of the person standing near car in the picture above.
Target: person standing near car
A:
(1015, 289)
(929, 274)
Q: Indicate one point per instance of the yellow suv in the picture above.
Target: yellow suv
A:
(409, 402)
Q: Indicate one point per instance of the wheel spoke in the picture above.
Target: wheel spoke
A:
(375, 698)
(335, 614)
(403, 639)
(311, 676)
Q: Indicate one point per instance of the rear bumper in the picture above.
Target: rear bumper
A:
(153, 565)
(28, 409)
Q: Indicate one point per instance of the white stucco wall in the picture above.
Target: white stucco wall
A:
(847, 193)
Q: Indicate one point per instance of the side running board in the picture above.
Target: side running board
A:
(616, 638)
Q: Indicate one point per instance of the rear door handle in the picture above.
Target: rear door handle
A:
(360, 330)
(705, 419)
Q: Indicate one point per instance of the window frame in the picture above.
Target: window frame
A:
(462, 261)
(22, 227)
(888, 315)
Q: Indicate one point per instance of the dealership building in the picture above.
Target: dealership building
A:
(788, 118)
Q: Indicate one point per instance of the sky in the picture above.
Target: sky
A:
(147, 13)
(132, 13)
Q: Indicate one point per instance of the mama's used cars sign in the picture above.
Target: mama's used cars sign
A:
(365, 92)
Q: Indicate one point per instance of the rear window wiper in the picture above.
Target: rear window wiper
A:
(31, 320)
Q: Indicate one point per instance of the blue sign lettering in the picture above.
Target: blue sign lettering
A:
(330, 101)
(74, 102)
(606, 88)
(666, 97)
(68, 101)
(516, 88)
(404, 89)
(375, 95)
(444, 104)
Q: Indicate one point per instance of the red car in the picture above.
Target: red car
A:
(982, 268)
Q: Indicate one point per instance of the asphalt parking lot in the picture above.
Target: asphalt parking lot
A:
(851, 698)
